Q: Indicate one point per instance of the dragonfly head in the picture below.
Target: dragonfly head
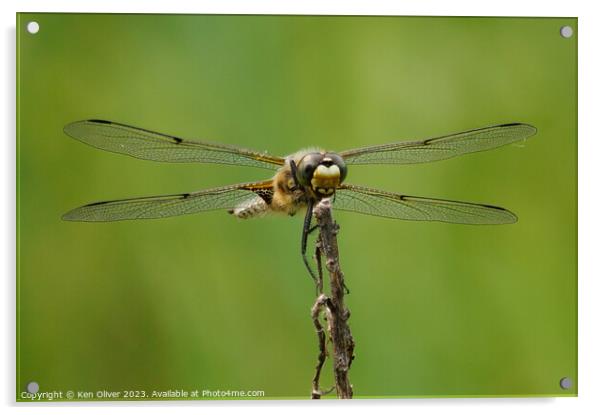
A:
(322, 172)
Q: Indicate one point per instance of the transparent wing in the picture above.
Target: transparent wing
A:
(392, 205)
(172, 205)
(149, 145)
(440, 148)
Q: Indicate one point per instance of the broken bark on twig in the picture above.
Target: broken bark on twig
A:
(334, 308)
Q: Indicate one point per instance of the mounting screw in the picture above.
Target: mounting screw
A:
(566, 31)
(33, 27)
(33, 387)
(566, 383)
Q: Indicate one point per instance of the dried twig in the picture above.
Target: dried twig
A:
(315, 315)
(336, 312)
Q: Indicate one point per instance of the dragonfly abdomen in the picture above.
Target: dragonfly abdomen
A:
(250, 209)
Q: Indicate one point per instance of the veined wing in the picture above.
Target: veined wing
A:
(149, 145)
(392, 205)
(440, 148)
(154, 207)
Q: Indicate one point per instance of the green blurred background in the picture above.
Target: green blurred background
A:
(211, 302)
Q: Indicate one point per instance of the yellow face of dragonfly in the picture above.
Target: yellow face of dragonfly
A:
(321, 172)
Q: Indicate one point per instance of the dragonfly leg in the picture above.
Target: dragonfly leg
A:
(307, 230)
(318, 257)
(306, 226)
(294, 173)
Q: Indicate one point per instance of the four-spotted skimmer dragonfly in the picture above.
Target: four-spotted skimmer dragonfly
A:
(300, 181)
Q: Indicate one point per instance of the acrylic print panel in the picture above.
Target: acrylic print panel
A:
(214, 306)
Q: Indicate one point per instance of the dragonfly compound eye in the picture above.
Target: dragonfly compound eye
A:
(307, 167)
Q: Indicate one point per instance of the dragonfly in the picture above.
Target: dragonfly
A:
(300, 180)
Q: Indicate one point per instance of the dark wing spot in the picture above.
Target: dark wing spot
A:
(97, 203)
(176, 140)
(493, 207)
